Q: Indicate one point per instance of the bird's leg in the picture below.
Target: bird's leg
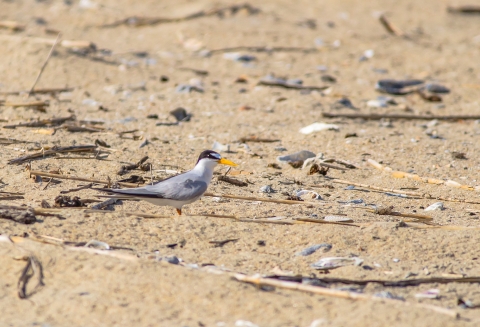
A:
(179, 211)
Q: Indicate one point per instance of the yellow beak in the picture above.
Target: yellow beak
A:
(227, 162)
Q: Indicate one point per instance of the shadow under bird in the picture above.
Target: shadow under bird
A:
(179, 190)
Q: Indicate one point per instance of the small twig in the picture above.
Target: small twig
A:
(387, 283)
(69, 44)
(466, 9)
(135, 21)
(291, 86)
(257, 139)
(319, 221)
(33, 268)
(251, 198)
(264, 49)
(51, 179)
(258, 281)
(12, 25)
(194, 70)
(219, 244)
(398, 116)
(44, 64)
(392, 29)
(77, 189)
(43, 122)
(79, 128)
(390, 212)
(25, 104)
(232, 181)
(54, 150)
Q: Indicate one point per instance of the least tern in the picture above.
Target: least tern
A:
(179, 190)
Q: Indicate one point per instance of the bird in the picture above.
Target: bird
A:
(179, 190)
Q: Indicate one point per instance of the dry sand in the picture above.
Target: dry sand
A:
(86, 289)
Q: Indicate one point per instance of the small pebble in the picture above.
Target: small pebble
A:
(172, 259)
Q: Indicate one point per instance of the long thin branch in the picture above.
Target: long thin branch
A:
(398, 116)
(44, 64)
(258, 281)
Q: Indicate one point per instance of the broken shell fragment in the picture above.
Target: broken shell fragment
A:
(435, 206)
(336, 262)
(97, 245)
(312, 249)
(297, 156)
(317, 127)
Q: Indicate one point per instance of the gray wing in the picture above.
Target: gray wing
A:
(179, 188)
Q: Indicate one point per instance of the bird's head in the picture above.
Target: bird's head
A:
(214, 157)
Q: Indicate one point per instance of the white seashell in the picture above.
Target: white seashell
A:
(435, 206)
(98, 245)
(317, 127)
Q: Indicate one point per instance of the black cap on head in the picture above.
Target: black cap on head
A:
(209, 154)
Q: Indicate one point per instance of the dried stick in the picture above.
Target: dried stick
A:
(392, 29)
(257, 139)
(12, 25)
(390, 212)
(398, 116)
(43, 122)
(25, 104)
(258, 281)
(251, 198)
(41, 91)
(135, 21)
(232, 181)
(319, 221)
(69, 44)
(401, 174)
(291, 86)
(466, 9)
(264, 49)
(44, 64)
(383, 282)
(91, 180)
(54, 150)
(33, 268)
(153, 216)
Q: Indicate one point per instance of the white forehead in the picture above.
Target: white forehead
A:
(216, 155)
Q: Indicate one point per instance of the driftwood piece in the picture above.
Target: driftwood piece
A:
(50, 90)
(26, 217)
(391, 28)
